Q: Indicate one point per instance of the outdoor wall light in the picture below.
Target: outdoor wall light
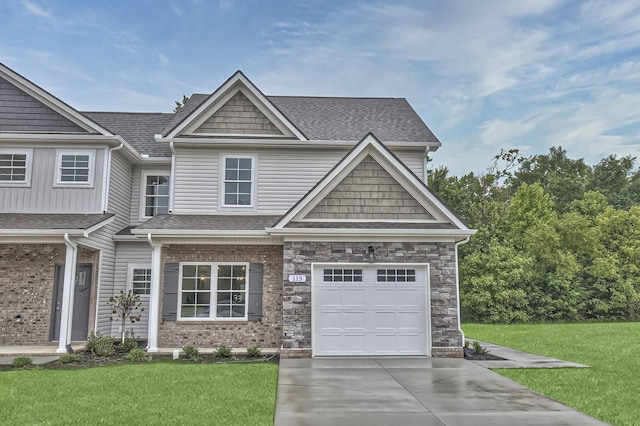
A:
(371, 252)
(18, 318)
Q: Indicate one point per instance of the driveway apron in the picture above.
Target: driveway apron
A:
(409, 391)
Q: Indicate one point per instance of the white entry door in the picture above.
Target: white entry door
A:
(369, 309)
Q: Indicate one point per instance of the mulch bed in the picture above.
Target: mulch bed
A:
(87, 359)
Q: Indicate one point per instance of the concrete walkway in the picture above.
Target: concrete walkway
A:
(409, 391)
(514, 358)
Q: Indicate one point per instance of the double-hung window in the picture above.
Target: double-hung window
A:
(75, 168)
(140, 280)
(213, 291)
(238, 181)
(155, 194)
(15, 167)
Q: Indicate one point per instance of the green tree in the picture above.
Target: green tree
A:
(180, 105)
(563, 178)
(617, 180)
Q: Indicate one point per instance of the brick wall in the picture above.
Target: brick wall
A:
(238, 334)
(298, 257)
(26, 289)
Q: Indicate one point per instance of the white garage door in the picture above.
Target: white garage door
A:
(369, 309)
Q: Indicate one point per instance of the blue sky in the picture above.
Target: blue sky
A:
(484, 75)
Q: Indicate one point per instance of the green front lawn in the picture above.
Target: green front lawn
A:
(608, 391)
(137, 394)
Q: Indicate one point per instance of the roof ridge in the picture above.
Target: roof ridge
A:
(126, 112)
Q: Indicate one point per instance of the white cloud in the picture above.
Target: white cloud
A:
(36, 9)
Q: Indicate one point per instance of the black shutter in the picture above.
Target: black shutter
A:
(170, 297)
(254, 305)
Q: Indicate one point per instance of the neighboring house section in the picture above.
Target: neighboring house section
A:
(295, 223)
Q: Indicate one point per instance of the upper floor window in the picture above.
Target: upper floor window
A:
(155, 194)
(75, 168)
(238, 181)
(15, 167)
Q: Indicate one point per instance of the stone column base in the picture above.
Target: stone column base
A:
(447, 352)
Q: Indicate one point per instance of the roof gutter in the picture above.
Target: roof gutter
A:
(106, 181)
(466, 240)
(172, 176)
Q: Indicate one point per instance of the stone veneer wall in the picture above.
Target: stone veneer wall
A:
(298, 257)
(237, 334)
(27, 273)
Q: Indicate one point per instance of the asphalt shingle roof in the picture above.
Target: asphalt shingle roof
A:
(50, 221)
(319, 118)
(210, 222)
(137, 128)
(390, 119)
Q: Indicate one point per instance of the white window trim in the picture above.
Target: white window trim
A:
(131, 267)
(254, 163)
(28, 163)
(143, 188)
(213, 300)
(92, 167)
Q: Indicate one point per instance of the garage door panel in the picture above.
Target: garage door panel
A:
(353, 297)
(329, 297)
(407, 297)
(353, 321)
(410, 320)
(385, 320)
(369, 317)
(382, 297)
(354, 343)
(330, 320)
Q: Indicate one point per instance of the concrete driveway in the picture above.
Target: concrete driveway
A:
(409, 391)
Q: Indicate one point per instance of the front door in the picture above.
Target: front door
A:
(81, 302)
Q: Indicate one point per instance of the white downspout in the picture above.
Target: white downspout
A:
(66, 313)
(106, 182)
(466, 240)
(172, 175)
(154, 296)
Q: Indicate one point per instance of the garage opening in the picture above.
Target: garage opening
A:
(370, 310)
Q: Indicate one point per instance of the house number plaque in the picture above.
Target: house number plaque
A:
(297, 278)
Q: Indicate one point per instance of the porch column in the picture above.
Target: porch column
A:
(154, 297)
(66, 310)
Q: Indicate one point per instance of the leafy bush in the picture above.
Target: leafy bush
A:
(253, 352)
(137, 355)
(69, 358)
(104, 346)
(192, 353)
(224, 352)
(21, 362)
(130, 341)
(478, 349)
(92, 341)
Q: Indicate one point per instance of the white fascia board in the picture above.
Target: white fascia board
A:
(52, 102)
(236, 78)
(41, 140)
(155, 160)
(42, 232)
(99, 225)
(372, 232)
(198, 232)
(279, 142)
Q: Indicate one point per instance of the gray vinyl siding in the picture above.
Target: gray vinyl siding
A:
(103, 239)
(414, 160)
(133, 253)
(21, 112)
(137, 191)
(44, 197)
(283, 177)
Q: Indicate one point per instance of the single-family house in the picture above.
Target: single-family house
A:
(292, 222)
